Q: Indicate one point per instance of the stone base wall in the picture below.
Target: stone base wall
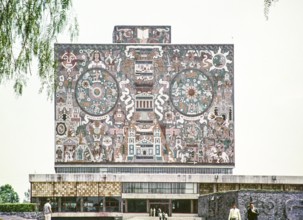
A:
(27, 215)
(271, 205)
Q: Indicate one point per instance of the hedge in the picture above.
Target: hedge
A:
(17, 207)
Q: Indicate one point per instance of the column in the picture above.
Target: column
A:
(104, 208)
(147, 206)
(170, 208)
(191, 206)
(126, 206)
(59, 204)
(81, 204)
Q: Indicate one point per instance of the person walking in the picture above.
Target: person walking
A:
(252, 212)
(47, 210)
(160, 215)
(165, 216)
(234, 213)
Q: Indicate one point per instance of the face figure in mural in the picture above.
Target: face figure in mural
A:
(97, 56)
(107, 141)
(97, 152)
(107, 145)
(59, 154)
(96, 61)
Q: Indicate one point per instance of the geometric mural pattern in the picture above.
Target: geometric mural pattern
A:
(42, 189)
(65, 189)
(110, 189)
(227, 187)
(75, 189)
(87, 189)
(144, 103)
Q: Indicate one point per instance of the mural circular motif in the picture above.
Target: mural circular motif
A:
(191, 92)
(219, 61)
(61, 128)
(97, 92)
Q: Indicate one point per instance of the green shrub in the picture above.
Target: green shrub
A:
(17, 207)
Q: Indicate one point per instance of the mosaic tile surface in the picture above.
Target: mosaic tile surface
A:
(42, 189)
(72, 189)
(65, 189)
(110, 189)
(142, 34)
(145, 103)
(87, 189)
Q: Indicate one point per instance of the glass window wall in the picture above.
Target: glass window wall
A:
(160, 188)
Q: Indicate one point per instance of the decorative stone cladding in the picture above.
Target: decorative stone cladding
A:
(208, 188)
(141, 34)
(42, 189)
(26, 215)
(87, 189)
(110, 189)
(65, 189)
(271, 205)
(74, 189)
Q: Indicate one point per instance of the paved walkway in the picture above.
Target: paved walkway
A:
(9, 217)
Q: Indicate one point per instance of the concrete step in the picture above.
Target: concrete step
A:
(156, 218)
(132, 216)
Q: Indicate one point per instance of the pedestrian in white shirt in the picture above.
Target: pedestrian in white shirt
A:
(47, 210)
(234, 213)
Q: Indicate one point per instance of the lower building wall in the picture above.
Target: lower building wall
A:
(25, 215)
(271, 205)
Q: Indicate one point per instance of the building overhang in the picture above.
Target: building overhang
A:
(183, 178)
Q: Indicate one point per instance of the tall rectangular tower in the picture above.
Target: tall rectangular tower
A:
(143, 102)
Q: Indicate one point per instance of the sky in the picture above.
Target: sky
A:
(268, 81)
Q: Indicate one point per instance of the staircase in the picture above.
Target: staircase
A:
(142, 216)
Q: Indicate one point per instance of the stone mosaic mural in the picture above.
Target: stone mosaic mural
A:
(144, 103)
(271, 205)
(142, 34)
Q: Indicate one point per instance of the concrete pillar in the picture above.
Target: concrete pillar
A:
(81, 204)
(215, 188)
(59, 204)
(126, 206)
(170, 208)
(191, 206)
(104, 208)
(147, 206)
(122, 205)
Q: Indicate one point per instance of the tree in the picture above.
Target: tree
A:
(27, 196)
(8, 194)
(267, 5)
(28, 31)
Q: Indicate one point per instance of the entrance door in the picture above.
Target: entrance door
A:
(163, 205)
